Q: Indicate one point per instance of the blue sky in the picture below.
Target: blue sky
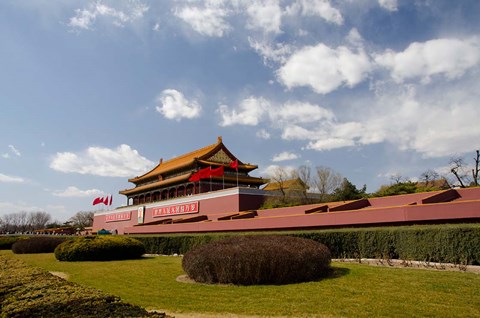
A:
(95, 92)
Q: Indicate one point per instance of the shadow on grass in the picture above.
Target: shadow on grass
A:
(336, 272)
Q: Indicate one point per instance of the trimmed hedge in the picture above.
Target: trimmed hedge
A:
(31, 292)
(38, 244)
(447, 243)
(6, 242)
(257, 260)
(99, 248)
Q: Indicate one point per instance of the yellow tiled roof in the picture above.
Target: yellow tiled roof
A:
(177, 162)
(290, 184)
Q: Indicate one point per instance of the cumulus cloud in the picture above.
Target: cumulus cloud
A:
(265, 15)
(12, 151)
(300, 112)
(10, 179)
(122, 161)
(390, 5)
(272, 170)
(249, 112)
(448, 57)
(275, 52)
(263, 134)
(86, 18)
(74, 192)
(174, 105)
(325, 69)
(284, 156)
(321, 8)
(209, 20)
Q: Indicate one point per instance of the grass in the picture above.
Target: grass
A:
(356, 291)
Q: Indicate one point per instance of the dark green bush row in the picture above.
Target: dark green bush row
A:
(258, 260)
(31, 292)
(459, 243)
(99, 248)
(7, 241)
(38, 244)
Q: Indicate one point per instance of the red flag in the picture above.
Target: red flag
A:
(97, 201)
(105, 200)
(234, 164)
(195, 177)
(218, 172)
(200, 174)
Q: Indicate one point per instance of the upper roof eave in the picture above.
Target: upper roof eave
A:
(178, 162)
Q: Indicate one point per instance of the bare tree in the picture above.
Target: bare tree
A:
(429, 176)
(38, 220)
(396, 178)
(279, 177)
(326, 181)
(475, 170)
(457, 165)
(82, 219)
(303, 173)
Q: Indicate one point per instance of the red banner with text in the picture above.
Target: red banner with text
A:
(123, 216)
(184, 208)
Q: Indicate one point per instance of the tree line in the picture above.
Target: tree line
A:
(323, 184)
(30, 222)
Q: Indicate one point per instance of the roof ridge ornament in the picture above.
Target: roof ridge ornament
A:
(219, 139)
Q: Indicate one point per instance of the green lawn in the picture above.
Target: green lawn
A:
(357, 291)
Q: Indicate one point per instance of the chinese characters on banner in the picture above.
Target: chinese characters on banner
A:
(184, 208)
(118, 217)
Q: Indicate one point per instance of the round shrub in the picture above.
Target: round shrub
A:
(256, 260)
(37, 244)
(6, 242)
(99, 248)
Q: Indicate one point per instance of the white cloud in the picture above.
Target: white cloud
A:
(209, 20)
(321, 8)
(122, 161)
(284, 156)
(85, 18)
(325, 69)
(174, 105)
(390, 5)
(272, 170)
(263, 134)
(265, 15)
(10, 179)
(250, 112)
(330, 143)
(74, 192)
(448, 57)
(300, 112)
(14, 150)
(277, 52)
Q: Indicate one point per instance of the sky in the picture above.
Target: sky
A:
(93, 93)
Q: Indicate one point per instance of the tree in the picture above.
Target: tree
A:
(457, 165)
(303, 173)
(24, 221)
(429, 176)
(279, 177)
(396, 189)
(82, 219)
(475, 170)
(348, 191)
(38, 220)
(326, 181)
